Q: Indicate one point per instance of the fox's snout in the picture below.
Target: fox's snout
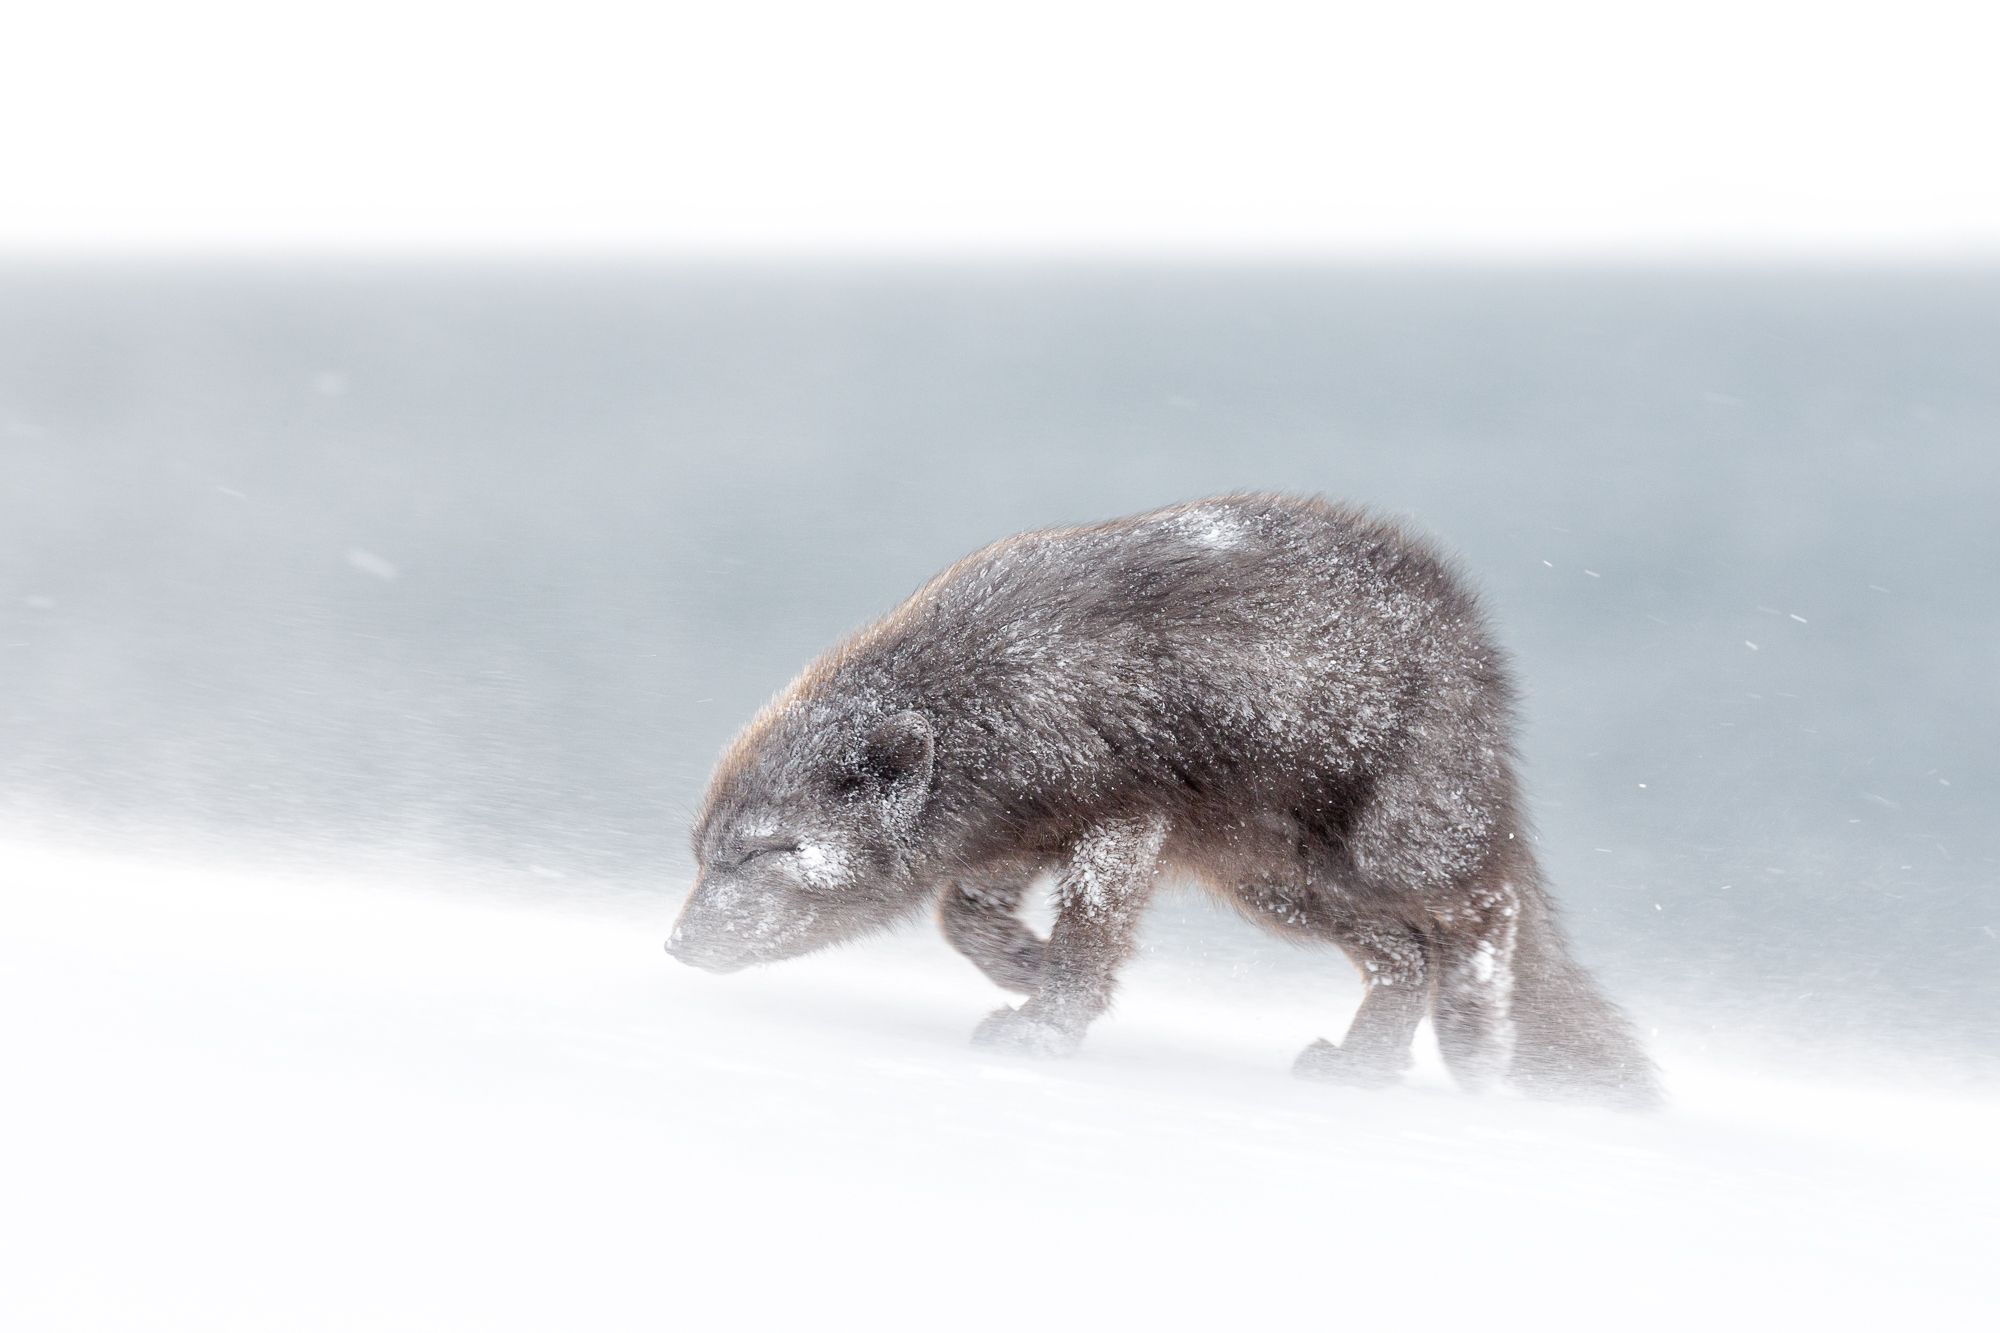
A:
(686, 949)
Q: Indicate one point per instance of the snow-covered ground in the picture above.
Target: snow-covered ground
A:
(277, 1099)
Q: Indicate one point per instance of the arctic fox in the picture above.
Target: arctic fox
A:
(1291, 702)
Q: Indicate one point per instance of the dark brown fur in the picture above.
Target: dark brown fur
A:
(1291, 702)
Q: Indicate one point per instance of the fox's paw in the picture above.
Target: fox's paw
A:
(1325, 1061)
(1022, 1033)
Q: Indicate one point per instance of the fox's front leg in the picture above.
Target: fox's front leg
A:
(1102, 890)
(978, 918)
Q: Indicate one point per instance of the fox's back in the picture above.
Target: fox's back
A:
(1264, 628)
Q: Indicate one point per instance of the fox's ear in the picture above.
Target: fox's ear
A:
(898, 751)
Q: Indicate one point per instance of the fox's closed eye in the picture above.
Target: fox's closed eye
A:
(762, 847)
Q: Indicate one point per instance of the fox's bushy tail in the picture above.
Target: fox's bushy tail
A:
(1570, 1040)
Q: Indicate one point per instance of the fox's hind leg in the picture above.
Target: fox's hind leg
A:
(977, 914)
(1393, 961)
(1318, 906)
(1473, 1011)
(1427, 829)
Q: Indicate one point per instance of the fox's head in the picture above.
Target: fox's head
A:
(805, 836)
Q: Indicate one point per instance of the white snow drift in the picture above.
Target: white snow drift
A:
(264, 1099)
